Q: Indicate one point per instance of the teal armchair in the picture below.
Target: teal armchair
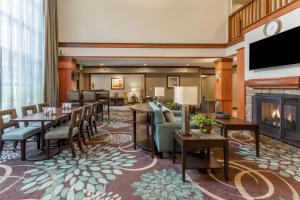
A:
(163, 134)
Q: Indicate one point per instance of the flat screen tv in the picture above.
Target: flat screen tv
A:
(278, 50)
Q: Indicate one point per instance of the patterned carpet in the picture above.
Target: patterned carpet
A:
(111, 169)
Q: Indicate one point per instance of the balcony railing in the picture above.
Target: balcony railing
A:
(251, 12)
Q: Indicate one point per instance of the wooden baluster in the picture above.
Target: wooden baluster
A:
(280, 3)
(259, 9)
(275, 5)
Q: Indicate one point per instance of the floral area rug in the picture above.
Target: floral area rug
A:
(111, 169)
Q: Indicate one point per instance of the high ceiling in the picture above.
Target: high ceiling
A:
(150, 62)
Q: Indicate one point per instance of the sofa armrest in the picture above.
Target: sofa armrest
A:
(177, 112)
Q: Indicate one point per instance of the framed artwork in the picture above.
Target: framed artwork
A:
(117, 83)
(173, 81)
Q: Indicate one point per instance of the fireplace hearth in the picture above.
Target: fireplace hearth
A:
(278, 116)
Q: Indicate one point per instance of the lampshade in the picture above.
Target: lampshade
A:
(186, 95)
(159, 91)
(133, 89)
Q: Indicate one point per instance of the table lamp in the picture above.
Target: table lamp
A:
(159, 92)
(185, 96)
(134, 90)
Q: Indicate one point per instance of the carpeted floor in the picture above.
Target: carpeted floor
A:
(111, 169)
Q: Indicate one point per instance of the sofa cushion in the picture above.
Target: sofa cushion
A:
(20, 133)
(169, 116)
(39, 124)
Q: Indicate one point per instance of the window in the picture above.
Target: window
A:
(21, 53)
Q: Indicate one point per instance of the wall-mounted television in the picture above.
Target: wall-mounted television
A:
(278, 50)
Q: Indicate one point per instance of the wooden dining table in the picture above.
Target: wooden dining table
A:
(41, 117)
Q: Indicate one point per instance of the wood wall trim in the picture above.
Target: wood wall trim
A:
(274, 83)
(141, 45)
(284, 10)
(235, 41)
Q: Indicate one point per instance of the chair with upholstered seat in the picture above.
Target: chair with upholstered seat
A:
(66, 133)
(85, 125)
(74, 97)
(28, 110)
(41, 106)
(11, 131)
(94, 117)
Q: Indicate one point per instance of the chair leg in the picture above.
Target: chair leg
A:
(91, 127)
(71, 144)
(95, 125)
(82, 135)
(88, 132)
(38, 141)
(79, 143)
(15, 146)
(47, 148)
(58, 145)
(23, 147)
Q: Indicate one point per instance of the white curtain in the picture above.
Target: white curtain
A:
(21, 53)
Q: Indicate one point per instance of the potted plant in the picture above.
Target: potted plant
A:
(204, 122)
(172, 105)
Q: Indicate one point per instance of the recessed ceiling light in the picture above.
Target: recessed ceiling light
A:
(102, 64)
(187, 64)
(145, 64)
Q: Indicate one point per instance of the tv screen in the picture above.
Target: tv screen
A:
(278, 50)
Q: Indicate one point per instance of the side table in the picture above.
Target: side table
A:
(199, 141)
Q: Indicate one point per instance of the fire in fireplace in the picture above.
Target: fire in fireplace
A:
(277, 116)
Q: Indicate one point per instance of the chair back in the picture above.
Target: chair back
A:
(75, 120)
(28, 110)
(94, 108)
(89, 96)
(87, 112)
(73, 96)
(41, 106)
(104, 94)
(4, 124)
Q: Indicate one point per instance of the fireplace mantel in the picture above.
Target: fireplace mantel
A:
(274, 83)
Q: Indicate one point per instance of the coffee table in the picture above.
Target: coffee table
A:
(200, 141)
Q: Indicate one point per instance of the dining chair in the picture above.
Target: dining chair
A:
(85, 125)
(66, 133)
(41, 106)
(11, 131)
(94, 117)
(32, 109)
(74, 97)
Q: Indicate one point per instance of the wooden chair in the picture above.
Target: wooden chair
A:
(40, 106)
(15, 133)
(94, 117)
(85, 125)
(66, 133)
(28, 110)
(74, 97)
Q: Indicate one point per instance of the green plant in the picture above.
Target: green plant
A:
(203, 120)
(172, 105)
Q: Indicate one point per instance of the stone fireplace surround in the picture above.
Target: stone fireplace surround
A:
(250, 92)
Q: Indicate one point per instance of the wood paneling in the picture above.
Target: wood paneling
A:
(241, 94)
(139, 45)
(274, 83)
(223, 69)
(255, 13)
(66, 67)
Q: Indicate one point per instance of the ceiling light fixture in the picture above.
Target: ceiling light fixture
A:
(187, 64)
(102, 64)
(145, 64)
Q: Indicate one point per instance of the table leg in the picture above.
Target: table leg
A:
(108, 110)
(43, 135)
(183, 160)
(174, 150)
(222, 130)
(225, 131)
(226, 161)
(257, 141)
(134, 128)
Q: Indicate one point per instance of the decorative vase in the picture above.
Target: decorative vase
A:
(206, 128)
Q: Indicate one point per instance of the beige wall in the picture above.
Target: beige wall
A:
(84, 81)
(160, 80)
(103, 81)
(144, 21)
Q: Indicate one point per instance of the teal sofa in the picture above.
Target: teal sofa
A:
(163, 134)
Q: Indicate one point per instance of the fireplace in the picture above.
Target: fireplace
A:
(277, 116)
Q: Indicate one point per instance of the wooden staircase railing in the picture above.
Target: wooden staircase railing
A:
(251, 12)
